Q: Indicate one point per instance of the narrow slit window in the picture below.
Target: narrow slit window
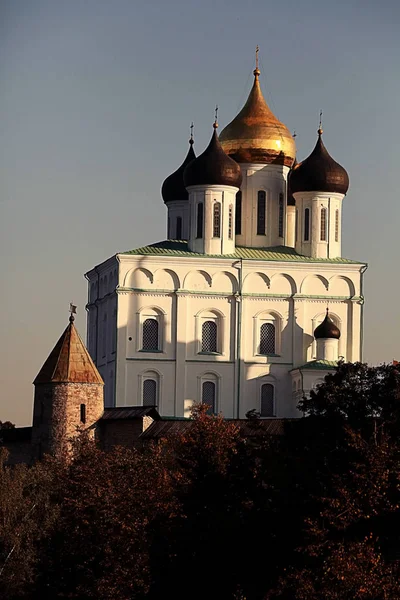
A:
(200, 219)
(267, 338)
(83, 413)
(261, 212)
(267, 400)
(208, 396)
(209, 335)
(150, 335)
(323, 224)
(230, 222)
(178, 228)
(336, 225)
(296, 226)
(306, 224)
(217, 220)
(281, 215)
(238, 213)
(149, 392)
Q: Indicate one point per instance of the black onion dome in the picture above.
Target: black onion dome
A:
(213, 167)
(327, 329)
(173, 187)
(319, 172)
(290, 200)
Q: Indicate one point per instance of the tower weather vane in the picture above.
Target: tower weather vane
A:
(320, 130)
(257, 51)
(72, 311)
(216, 117)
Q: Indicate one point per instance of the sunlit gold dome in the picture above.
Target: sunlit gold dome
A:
(256, 135)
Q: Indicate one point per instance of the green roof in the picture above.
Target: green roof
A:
(319, 365)
(276, 253)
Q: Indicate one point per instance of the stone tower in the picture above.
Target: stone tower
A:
(68, 396)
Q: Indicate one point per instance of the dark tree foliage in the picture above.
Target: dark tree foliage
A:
(345, 458)
(311, 515)
(6, 425)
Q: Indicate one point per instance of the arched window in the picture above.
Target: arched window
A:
(267, 338)
(149, 397)
(267, 400)
(208, 395)
(200, 219)
(323, 224)
(281, 214)
(296, 227)
(230, 222)
(217, 220)
(209, 335)
(238, 213)
(150, 335)
(306, 224)
(261, 212)
(178, 228)
(336, 225)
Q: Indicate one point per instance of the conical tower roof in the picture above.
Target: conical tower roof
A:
(256, 135)
(69, 361)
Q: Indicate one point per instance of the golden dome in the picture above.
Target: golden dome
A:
(256, 135)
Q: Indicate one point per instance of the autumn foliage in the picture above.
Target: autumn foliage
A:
(311, 515)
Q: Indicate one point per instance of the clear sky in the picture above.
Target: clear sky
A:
(96, 99)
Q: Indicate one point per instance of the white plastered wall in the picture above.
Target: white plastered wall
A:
(184, 290)
(273, 180)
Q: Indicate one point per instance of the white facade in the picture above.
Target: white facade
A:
(181, 293)
(228, 318)
(263, 184)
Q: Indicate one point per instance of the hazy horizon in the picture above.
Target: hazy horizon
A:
(96, 100)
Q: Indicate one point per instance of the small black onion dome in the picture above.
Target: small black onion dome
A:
(173, 187)
(327, 329)
(319, 172)
(213, 167)
(290, 200)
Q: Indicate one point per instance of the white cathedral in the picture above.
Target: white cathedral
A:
(249, 303)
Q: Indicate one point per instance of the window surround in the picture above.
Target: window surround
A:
(219, 319)
(337, 225)
(217, 219)
(230, 222)
(323, 225)
(267, 317)
(266, 379)
(150, 313)
(158, 378)
(214, 378)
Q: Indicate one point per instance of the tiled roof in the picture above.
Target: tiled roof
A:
(248, 428)
(129, 412)
(69, 361)
(319, 365)
(276, 253)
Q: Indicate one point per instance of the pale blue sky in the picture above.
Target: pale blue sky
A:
(96, 99)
